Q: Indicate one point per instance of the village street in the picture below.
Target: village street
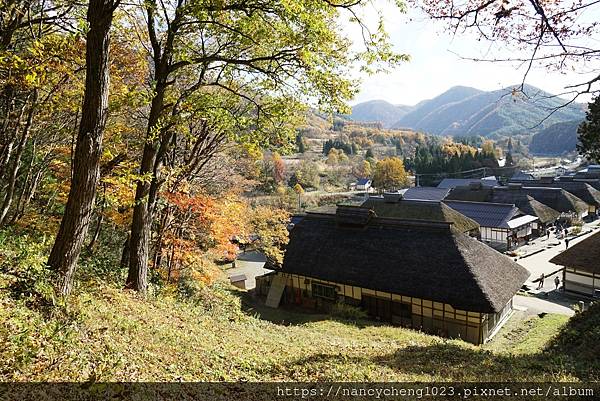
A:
(547, 299)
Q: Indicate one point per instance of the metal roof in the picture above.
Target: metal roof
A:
(459, 182)
(487, 214)
(521, 221)
(426, 193)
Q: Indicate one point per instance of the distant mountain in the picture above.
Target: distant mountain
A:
(468, 111)
(452, 96)
(556, 139)
(378, 111)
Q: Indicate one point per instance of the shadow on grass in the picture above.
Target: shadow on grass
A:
(441, 361)
(574, 351)
(290, 315)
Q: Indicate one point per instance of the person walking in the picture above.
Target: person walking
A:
(556, 282)
(547, 234)
(566, 243)
(541, 281)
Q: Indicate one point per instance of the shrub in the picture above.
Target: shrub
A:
(348, 312)
(23, 270)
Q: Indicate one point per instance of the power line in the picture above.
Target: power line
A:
(480, 169)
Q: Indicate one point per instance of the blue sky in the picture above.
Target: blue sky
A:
(436, 64)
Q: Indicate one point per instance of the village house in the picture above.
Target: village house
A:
(413, 273)
(558, 199)
(425, 193)
(392, 205)
(593, 182)
(526, 204)
(363, 184)
(450, 183)
(581, 274)
(502, 225)
(580, 189)
(568, 205)
(591, 171)
(522, 176)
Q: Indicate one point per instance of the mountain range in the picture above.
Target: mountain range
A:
(463, 110)
(557, 139)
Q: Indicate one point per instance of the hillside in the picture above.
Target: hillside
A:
(496, 113)
(213, 332)
(111, 335)
(378, 111)
(453, 95)
(556, 139)
(468, 111)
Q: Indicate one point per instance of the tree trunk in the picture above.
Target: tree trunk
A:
(141, 225)
(86, 162)
(146, 194)
(125, 254)
(154, 150)
(14, 170)
(99, 222)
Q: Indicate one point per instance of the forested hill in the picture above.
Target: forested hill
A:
(556, 139)
(379, 111)
(468, 111)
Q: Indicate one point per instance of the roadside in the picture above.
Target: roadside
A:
(535, 257)
(537, 254)
(250, 264)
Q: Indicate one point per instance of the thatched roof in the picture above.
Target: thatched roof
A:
(584, 255)
(413, 258)
(421, 210)
(582, 190)
(593, 182)
(556, 198)
(525, 203)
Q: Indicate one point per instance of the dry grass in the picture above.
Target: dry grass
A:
(110, 335)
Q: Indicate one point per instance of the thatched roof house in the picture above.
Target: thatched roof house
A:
(580, 189)
(414, 273)
(593, 182)
(390, 255)
(421, 210)
(555, 198)
(521, 175)
(582, 266)
(528, 205)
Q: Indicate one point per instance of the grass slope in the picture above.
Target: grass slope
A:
(108, 334)
(216, 333)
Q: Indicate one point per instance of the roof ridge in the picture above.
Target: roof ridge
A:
(391, 221)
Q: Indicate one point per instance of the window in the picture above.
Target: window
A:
(402, 309)
(323, 291)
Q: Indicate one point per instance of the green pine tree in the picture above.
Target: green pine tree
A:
(589, 132)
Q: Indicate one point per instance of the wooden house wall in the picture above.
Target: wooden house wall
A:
(495, 237)
(581, 282)
(429, 316)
